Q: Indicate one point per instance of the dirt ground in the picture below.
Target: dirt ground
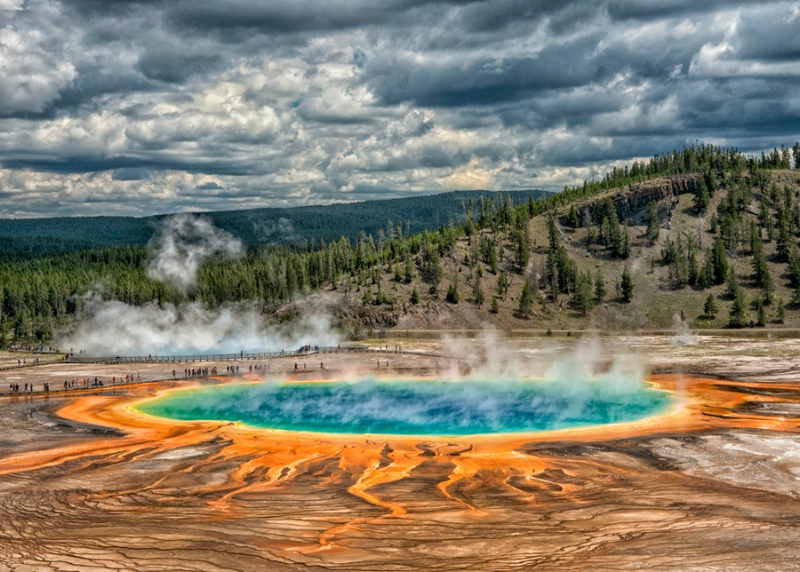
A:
(86, 483)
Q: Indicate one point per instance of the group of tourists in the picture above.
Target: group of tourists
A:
(83, 383)
(76, 383)
(28, 348)
(88, 382)
(15, 388)
(129, 378)
(196, 372)
(321, 366)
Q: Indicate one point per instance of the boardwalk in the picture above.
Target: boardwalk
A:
(71, 373)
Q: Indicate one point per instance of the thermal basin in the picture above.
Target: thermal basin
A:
(414, 407)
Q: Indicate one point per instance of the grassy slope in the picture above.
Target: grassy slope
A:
(654, 306)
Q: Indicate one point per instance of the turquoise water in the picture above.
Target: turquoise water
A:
(404, 407)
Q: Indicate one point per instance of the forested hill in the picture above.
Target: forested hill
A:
(23, 238)
(701, 238)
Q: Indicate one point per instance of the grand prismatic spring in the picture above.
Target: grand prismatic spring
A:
(405, 407)
(409, 460)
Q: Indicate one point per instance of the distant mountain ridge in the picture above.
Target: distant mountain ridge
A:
(261, 226)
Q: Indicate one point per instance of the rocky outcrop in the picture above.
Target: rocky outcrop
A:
(632, 201)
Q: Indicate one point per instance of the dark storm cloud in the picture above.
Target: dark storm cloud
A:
(780, 44)
(128, 166)
(280, 18)
(657, 9)
(173, 66)
(485, 81)
(745, 106)
(500, 15)
(121, 167)
(287, 18)
(93, 82)
(153, 105)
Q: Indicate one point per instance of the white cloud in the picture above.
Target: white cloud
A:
(11, 4)
(33, 74)
(471, 176)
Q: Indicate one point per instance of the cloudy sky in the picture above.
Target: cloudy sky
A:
(155, 106)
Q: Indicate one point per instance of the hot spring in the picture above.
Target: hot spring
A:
(415, 407)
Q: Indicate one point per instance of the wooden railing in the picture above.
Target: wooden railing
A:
(240, 356)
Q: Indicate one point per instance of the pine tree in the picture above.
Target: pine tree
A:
(784, 240)
(495, 307)
(408, 275)
(794, 267)
(701, 195)
(719, 261)
(583, 293)
(616, 237)
(780, 314)
(432, 269)
(599, 287)
(625, 247)
(502, 285)
(525, 300)
(761, 314)
(552, 232)
(553, 275)
(492, 259)
(522, 249)
(477, 291)
(763, 213)
(706, 277)
(574, 221)
(694, 272)
(414, 296)
(605, 231)
(732, 286)
(627, 285)
(452, 294)
(710, 307)
(767, 288)
(760, 268)
(737, 311)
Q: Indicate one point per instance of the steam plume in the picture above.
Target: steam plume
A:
(184, 243)
(113, 328)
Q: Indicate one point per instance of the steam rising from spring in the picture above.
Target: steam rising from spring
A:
(186, 242)
(572, 393)
(113, 328)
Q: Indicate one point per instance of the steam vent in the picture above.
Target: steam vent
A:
(543, 452)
